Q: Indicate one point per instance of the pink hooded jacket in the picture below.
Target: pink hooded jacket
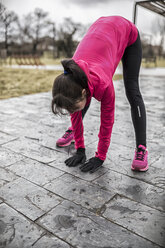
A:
(98, 55)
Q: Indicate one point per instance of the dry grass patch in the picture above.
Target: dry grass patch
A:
(18, 82)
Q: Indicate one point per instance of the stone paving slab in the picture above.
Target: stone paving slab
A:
(4, 138)
(142, 220)
(59, 164)
(18, 127)
(123, 155)
(77, 172)
(31, 150)
(8, 157)
(159, 162)
(35, 171)
(16, 231)
(79, 191)
(121, 163)
(28, 198)
(51, 242)
(6, 176)
(83, 229)
(154, 176)
(133, 188)
(100, 208)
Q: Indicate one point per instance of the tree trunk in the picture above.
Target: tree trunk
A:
(6, 40)
(34, 50)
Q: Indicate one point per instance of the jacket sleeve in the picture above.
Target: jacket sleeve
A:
(77, 126)
(107, 121)
(78, 129)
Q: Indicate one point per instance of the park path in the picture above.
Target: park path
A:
(156, 71)
(43, 203)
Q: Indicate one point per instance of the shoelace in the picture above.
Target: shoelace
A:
(67, 133)
(140, 154)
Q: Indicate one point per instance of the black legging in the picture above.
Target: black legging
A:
(131, 61)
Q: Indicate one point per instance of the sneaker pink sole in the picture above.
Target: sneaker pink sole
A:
(140, 161)
(139, 169)
(66, 144)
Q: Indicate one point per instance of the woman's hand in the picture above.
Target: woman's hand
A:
(78, 158)
(92, 165)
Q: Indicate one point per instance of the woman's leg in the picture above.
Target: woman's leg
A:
(131, 65)
(83, 112)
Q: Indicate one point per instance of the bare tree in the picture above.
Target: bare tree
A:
(159, 29)
(2, 8)
(24, 29)
(66, 34)
(83, 29)
(8, 20)
(52, 33)
(33, 28)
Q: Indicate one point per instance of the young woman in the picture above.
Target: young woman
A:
(89, 74)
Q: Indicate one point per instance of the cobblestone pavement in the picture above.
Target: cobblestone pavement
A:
(43, 203)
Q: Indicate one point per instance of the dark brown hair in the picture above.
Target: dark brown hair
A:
(67, 87)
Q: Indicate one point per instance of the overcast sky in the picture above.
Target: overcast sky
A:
(84, 11)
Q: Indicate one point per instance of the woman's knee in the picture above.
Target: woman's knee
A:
(134, 97)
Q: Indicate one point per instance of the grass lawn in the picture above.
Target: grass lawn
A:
(159, 61)
(18, 82)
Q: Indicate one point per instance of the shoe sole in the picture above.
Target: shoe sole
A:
(138, 169)
(66, 144)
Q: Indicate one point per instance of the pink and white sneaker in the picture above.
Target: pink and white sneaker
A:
(140, 162)
(66, 139)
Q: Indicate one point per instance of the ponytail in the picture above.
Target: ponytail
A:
(78, 75)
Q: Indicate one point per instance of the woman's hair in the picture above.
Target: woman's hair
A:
(67, 87)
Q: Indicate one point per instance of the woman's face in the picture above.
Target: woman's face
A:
(81, 104)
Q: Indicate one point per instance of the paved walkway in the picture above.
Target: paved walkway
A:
(156, 71)
(43, 203)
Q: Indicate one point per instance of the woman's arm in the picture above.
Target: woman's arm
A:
(107, 121)
(78, 129)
